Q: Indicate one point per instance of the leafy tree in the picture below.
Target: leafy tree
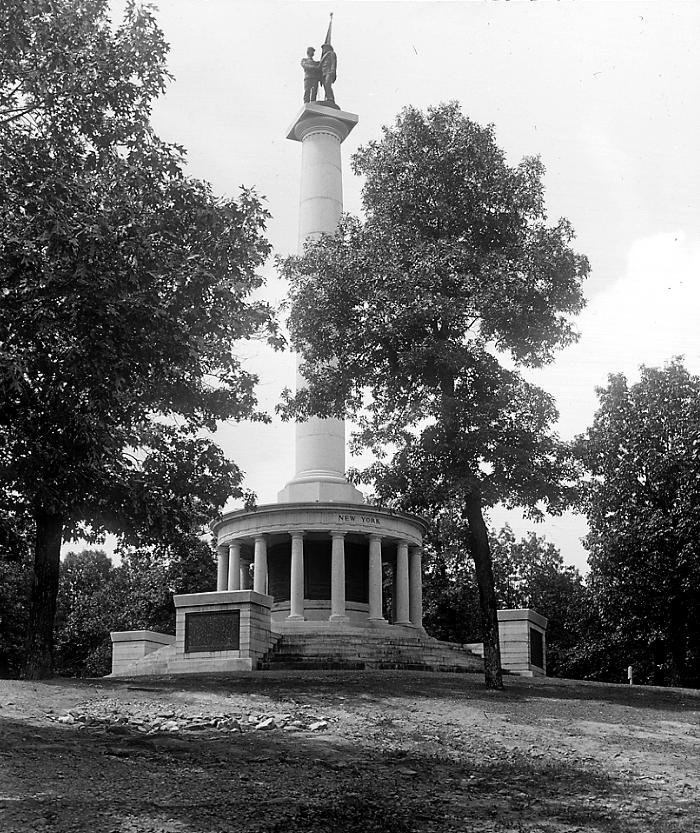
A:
(95, 598)
(125, 285)
(15, 582)
(402, 317)
(84, 605)
(529, 572)
(148, 579)
(642, 498)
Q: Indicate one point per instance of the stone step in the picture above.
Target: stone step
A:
(368, 650)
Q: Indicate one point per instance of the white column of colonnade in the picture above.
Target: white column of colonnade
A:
(234, 566)
(232, 571)
(222, 568)
(375, 579)
(260, 565)
(338, 577)
(415, 587)
(402, 587)
(232, 574)
(296, 578)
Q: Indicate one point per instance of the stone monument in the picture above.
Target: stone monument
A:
(321, 551)
(304, 578)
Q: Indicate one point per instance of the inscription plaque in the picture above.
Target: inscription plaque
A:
(218, 630)
(278, 566)
(536, 648)
(317, 570)
(356, 572)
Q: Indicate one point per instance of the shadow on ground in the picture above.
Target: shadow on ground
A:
(63, 779)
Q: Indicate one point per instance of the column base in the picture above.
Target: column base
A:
(405, 622)
(296, 617)
(338, 617)
(376, 619)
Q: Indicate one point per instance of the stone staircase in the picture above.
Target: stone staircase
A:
(406, 649)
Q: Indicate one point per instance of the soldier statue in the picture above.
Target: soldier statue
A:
(312, 75)
(329, 64)
(323, 71)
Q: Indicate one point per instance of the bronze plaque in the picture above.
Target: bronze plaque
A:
(218, 630)
(317, 569)
(279, 560)
(356, 572)
(536, 648)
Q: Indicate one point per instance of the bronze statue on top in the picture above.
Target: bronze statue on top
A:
(323, 71)
(312, 75)
(329, 64)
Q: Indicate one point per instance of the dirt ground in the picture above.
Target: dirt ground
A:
(389, 751)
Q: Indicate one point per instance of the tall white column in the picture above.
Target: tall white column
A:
(234, 566)
(260, 565)
(415, 587)
(375, 578)
(402, 584)
(296, 577)
(319, 473)
(338, 577)
(222, 568)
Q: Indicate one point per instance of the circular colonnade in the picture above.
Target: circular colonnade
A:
(324, 563)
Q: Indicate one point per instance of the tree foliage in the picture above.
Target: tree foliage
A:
(402, 317)
(528, 573)
(95, 597)
(124, 287)
(642, 499)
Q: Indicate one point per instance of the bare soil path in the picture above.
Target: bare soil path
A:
(347, 751)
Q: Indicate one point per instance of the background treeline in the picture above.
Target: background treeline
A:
(96, 596)
(586, 639)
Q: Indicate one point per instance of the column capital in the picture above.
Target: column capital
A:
(375, 536)
(338, 533)
(297, 533)
(315, 117)
(261, 536)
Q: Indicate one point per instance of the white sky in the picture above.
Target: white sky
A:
(606, 93)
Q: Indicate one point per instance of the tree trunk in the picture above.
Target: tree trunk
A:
(42, 606)
(479, 543)
(481, 553)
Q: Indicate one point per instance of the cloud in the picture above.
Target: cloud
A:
(649, 315)
(646, 317)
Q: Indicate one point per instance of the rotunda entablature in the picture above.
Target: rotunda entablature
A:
(244, 525)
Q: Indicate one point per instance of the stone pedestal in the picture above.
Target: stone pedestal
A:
(522, 638)
(226, 631)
